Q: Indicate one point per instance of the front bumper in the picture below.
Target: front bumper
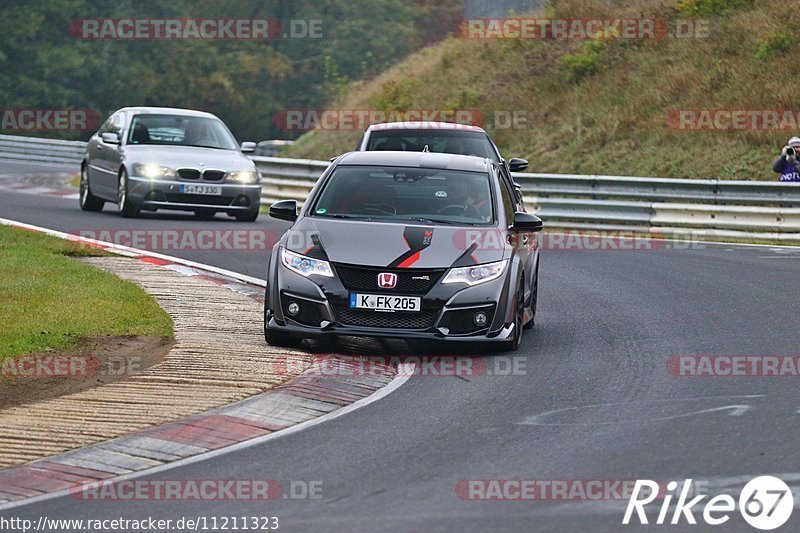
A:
(447, 310)
(152, 194)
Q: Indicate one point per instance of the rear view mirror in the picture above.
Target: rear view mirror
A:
(516, 164)
(110, 138)
(526, 222)
(248, 147)
(284, 210)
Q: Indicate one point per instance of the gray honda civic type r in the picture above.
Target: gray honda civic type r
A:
(409, 245)
(151, 158)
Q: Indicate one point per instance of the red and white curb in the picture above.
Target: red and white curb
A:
(330, 388)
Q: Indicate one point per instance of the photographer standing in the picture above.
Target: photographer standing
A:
(787, 164)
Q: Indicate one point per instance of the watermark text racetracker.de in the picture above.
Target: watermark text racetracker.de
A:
(43, 366)
(243, 240)
(146, 29)
(726, 120)
(438, 366)
(41, 119)
(131, 490)
(569, 29)
(740, 365)
(361, 119)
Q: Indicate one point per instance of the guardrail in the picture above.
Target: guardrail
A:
(767, 211)
(34, 149)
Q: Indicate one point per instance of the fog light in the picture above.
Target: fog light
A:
(293, 308)
(480, 318)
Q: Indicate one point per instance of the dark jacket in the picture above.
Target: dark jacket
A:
(788, 170)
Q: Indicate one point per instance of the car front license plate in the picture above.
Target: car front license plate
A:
(208, 190)
(385, 302)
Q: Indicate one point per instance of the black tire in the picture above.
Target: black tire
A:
(514, 344)
(88, 201)
(247, 217)
(125, 206)
(278, 338)
(204, 214)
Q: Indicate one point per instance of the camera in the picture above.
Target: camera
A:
(791, 152)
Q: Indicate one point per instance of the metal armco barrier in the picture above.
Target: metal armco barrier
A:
(19, 148)
(768, 211)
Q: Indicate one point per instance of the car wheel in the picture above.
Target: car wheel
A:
(519, 315)
(204, 214)
(247, 217)
(89, 202)
(278, 338)
(534, 299)
(125, 206)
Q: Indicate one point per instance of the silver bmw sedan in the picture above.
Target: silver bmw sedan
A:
(150, 158)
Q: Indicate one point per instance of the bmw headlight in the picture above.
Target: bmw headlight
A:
(242, 176)
(305, 266)
(477, 274)
(152, 171)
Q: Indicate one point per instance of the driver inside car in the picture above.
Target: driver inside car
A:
(465, 193)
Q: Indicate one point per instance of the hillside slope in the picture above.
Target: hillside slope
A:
(603, 106)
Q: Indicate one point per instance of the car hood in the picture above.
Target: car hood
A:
(395, 245)
(187, 156)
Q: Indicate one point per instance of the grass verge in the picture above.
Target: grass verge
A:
(50, 301)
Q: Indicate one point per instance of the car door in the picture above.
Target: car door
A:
(523, 242)
(106, 158)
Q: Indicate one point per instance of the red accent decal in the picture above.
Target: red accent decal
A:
(308, 250)
(154, 261)
(410, 261)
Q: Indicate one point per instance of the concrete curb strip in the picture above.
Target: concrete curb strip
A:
(194, 378)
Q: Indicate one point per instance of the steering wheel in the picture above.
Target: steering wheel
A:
(377, 209)
(459, 210)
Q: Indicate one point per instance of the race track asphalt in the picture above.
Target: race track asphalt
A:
(592, 397)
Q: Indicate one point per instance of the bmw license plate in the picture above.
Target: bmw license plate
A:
(385, 302)
(208, 190)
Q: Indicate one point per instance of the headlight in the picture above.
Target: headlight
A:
(305, 265)
(152, 171)
(242, 176)
(476, 274)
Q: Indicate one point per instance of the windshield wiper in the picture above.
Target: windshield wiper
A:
(432, 220)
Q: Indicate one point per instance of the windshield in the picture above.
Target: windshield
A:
(180, 130)
(441, 141)
(407, 194)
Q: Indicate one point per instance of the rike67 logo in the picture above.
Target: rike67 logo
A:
(765, 503)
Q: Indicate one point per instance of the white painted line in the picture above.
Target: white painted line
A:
(128, 251)
(404, 372)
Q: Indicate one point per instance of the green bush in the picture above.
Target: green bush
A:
(396, 95)
(692, 8)
(777, 42)
(585, 61)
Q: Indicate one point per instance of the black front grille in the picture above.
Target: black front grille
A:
(409, 280)
(213, 175)
(461, 321)
(204, 199)
(189, 173)
(377, 319)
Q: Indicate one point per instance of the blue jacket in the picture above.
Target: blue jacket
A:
(789, 171)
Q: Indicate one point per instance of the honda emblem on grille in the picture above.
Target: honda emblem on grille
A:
(387, 280)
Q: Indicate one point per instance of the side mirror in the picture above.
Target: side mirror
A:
(248, 147)
(516, 164)
(110, 138)
(284, 210)
(526, 222)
